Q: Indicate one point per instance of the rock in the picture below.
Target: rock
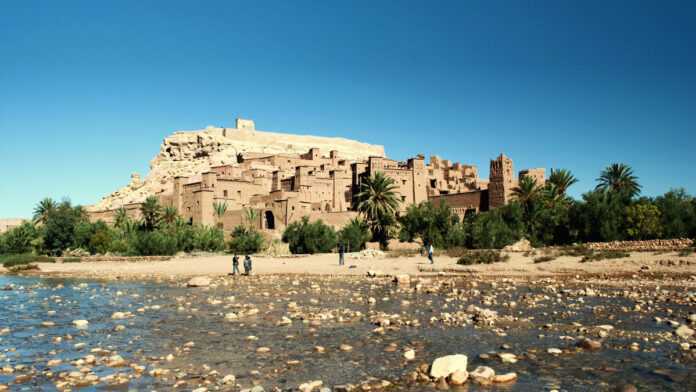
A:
(522, 245)
(345, 347)
(507, 357)
(310, 386)
(262, 350)
(444, 366)
(403, 279)
(482, 375)
(116, 361)
(589, 344)
(503, 378)
(229, 379)
(80, 323)
(684, 332)
(118, 316)
(199, 281)
(410, 354)
(459, 377)
(554, 351)
(626, 388)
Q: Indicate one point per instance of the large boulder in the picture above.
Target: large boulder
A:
(522, 245)
(199, 281)
(444, 366)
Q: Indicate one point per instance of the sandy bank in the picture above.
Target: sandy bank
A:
(518, 265)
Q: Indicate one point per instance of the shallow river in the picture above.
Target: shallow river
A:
(209, 333)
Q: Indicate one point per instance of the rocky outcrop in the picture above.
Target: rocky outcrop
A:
(188, 153)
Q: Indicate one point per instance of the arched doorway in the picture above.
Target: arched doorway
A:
(270, 220)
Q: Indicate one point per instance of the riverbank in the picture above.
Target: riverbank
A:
(518, 265)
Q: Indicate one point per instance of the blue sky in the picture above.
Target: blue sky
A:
(89, 89)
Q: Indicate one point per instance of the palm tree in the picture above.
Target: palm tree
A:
(619, 178)
(121, 217)
(561, 180)
(526, 191)
(378, 203)
(151, 212)
(169, 215)
(43, 209)
(251, 216)
(220, 209)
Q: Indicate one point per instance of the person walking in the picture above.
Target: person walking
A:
(235, 265)
(430, 253)
(341, 254)
(247, 265)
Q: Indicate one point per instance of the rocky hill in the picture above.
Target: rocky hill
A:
(187, 153)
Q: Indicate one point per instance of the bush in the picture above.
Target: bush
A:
(544, 259)
(354, 235)
(209, 239)
(498, 228)
(428, 222)
(153, 243)
(23, 259)
(604, 255)
(19, 239)
(245, 240)
(304, 237)
(482, 257)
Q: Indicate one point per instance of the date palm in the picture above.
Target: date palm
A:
(561, 180)
(43, 209)
(251, 216)
(220, 209)
(151, 212)
(619, 178)
(169, 215)
(121, 218)
(378, 202)
(526, 191)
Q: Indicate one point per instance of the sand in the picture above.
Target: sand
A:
(518, 265)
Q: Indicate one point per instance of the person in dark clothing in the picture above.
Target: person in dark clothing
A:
(341, 254)
(247, 265)
(235, 265)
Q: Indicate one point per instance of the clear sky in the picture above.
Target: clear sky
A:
(89, 89)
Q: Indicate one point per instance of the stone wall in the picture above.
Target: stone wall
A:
(648, 245)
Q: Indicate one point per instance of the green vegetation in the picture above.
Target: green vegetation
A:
(482, 257)
(8, 261)
(305, 237)
(354, 235)
(72, 260)
(604, 255)
(245, 240)
(377, 201)
(61, 226)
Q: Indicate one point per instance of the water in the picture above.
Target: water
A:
(330, 312)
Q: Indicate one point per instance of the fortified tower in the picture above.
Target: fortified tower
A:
(501, 181)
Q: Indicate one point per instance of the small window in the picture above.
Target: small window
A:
(403, 198)
(224, 193)
(403, 182)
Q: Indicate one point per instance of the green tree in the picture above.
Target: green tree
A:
(498, 228)
(169, 215)
(619, 178)
(643, 221)
(220, 208)
(59, 229)
(677, 213)
(251, 217)
(305, 237)
(600, 216)
(43, 209)
(121, 217)
(428, 222)
(19, 239)
(527, 191)
(354, 235)
(377, 201)
(151, 212)
(245, 240)
(562, 179)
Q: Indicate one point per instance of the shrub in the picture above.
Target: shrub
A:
(23, 259)
(354, 235)
(19, 239)
(153, 243)
(207, 238)
(305, 237)
(245, 240)
(604, 255)
(544, 259)
(428, 222)
(482, 257)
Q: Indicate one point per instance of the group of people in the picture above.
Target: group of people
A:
(247, 265)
